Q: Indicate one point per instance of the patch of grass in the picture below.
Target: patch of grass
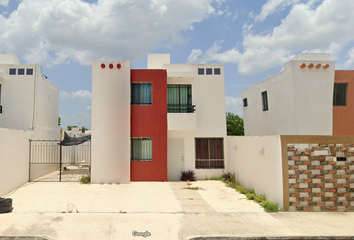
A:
(86, 179)
(250, 194)
(193, 188)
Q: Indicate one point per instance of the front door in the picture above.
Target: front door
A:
(175, 158)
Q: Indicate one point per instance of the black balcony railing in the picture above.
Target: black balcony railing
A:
(180, 108)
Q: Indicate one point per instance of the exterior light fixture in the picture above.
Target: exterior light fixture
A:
(111, 66)
(310, 65)
(235, 147)
(302, 65)
(119, 66)
(261, 151)
(326, 66)
(318, 65)
(103, 66)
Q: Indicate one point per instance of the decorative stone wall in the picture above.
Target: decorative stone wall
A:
(321, 177)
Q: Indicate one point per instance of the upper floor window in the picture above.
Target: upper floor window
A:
(209, 71)
(265, 101)
(141, 93)
(216, 71)
(29, 71)
(21, 71)
(179, 99)
(200, 71)
(245, 103)
(141, 149)
(12, 71)
(340, 94)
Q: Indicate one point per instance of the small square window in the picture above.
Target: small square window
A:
(21, 71)
(12, 71)
(200, 71)
(29, 71)
(341, 159)
(217, 71)
(209, 71)
(245, 103)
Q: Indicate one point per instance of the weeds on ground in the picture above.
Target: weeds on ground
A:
(229, 179)
(193, 188)
(86, 179)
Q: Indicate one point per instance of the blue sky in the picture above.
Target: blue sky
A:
(252, 38)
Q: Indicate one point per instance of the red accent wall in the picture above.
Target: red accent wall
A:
(151, 122)
(343, 123)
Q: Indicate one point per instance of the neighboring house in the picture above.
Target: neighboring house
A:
(28, 100)
(151, 124)
(343, 103)
(28, 110)
(296, 101)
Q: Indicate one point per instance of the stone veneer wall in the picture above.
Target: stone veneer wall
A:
(317, 181)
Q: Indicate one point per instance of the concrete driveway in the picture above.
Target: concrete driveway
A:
(165, 210)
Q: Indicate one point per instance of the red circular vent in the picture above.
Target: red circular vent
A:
(119, 66)
(103, 65)
(111, 66)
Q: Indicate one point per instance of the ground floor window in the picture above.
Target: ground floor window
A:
(141, 149)
(209, 153)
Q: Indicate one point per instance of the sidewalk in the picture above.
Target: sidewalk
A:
(167, 210)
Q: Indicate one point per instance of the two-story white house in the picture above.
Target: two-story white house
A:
(151, 124)
(29, 105)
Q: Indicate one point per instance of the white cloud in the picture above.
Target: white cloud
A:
(273, 6)
(56, 31)
(82, 95)
(307, 27)
(213, 55)
(234, 105)
(4, 2)
(349, 62)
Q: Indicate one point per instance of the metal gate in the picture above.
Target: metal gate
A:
(49, 161)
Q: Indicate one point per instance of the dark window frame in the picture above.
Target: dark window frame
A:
(245, 102)
(12, 71)
(29, 71)
(209, 163)
(265, 101)
(178, 107)
(140, 101)
(217, 71)
(201, 71)
(338, 97)
(21, 71)
(141, 150)
(209, 71)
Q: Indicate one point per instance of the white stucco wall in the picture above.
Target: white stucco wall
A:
(297, 99)
(28, 101)
(156, 61)
(257, 164)
(208, 94)
(110, 122)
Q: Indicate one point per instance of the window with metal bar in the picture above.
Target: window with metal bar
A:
(209, 153)
(340, 94)
(141, 149)
(179, 99)
(141, 93)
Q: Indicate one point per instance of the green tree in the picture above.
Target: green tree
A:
(234, 124)
(59, 121)
(83, 129)
(69, 127)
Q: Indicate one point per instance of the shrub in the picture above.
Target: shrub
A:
(260, 198)
(85, 179)
(250, 196)
(226, 176)
(270, 206)
(187, 175)
(241, 189)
